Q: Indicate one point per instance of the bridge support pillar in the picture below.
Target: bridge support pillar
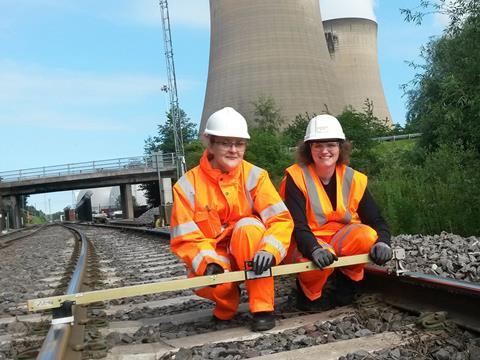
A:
(166, 200)
(2, 215)
(16, 203)
(126, 200)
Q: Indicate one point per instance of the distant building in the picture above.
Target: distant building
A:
(278, 49)
(106, 197)
(352, 44)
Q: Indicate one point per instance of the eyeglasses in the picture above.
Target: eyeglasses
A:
(227, 145)
(318, 146)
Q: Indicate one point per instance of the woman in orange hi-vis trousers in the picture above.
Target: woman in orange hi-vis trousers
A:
(226, 211)
(334, 215)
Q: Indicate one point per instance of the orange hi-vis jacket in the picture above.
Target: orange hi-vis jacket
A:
(207, 205)
(322, 219)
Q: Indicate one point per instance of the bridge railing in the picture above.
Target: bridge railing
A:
(136, 162)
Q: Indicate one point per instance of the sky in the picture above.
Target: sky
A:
(81, 80)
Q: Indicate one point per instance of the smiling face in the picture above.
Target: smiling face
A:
(325, 154)
(227, 152)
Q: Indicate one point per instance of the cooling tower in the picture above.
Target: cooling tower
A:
(352, 43)
(270, 48)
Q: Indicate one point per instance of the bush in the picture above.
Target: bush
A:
(439, 195)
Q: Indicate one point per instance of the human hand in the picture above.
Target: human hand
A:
(262, 261)
(213, 269)
(381, 253)
(322, 257)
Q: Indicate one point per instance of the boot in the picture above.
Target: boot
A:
(346, 289)
(263, 321)
(323, 303)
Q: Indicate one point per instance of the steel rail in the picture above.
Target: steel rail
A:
(57, 339)
(143, 229)
(422, 293)
(35, 229)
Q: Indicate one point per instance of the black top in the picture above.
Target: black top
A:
(295, 200)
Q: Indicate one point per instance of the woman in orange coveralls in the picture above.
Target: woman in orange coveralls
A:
(334, 214)
(226, 211)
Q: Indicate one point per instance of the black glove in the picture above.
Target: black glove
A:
(380, 253)
(262, 261)
(322, 257)
(213, 269)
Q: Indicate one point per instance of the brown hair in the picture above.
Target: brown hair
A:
(304, 154)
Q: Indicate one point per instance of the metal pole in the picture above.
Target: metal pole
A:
(161, 205)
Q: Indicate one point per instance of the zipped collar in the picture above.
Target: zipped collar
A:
(216, 174)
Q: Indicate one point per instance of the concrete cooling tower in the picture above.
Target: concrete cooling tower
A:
(271, 48)
(352, 43)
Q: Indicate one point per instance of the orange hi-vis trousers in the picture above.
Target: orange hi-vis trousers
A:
(352, 239)
(244, 242)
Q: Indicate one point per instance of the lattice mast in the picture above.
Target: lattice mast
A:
(172, 89)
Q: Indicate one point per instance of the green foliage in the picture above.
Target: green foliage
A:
(295, 132)
(265, 149)
(457, 11)
(37, 220)
(426, 198)
(431, 188)
(267, 115)
(444, 99)
(193, 152)
(360, 128)
(164, 141)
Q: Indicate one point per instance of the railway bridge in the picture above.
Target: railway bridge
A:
(121, 172)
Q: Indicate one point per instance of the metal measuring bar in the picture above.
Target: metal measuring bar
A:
(181, 284)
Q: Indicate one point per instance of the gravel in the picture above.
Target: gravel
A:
(446, 255)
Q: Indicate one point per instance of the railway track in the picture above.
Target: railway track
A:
(391, 324)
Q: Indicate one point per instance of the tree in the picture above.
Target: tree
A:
(267, 115)
(164, 141)
(457, 11)
(193, 152)
(265, 148)
(444, 98)
(295, 131)
(360, 128)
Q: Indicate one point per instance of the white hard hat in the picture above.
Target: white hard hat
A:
(227, 122)
(324, 127)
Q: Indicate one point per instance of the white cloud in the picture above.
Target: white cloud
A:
(332, 9)
(21, 83)
(188, 13)
(65, 86)
(60, 98)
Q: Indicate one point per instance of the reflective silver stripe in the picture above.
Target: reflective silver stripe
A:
(272, 240)
(188, 190)
(272, 210)
(204, 253)
(252, 181)
(314, 197)
(337, 240)
(248, 221)
(183, 229)
(346, 187)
